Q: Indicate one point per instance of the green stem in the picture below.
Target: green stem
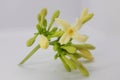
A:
(30, 54)
(50, 25)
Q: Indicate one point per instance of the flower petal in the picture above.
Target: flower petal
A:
(63, 23)
(87, 18)
(78, 25)
(78, 37)
(64, 39)
(84, 12)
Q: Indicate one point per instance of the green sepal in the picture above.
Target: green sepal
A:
(45, 23)
(53, 30)
(69, 49)
(57, 34)
(55, 47)
(54, 42)
(38, 28)
(56, 56)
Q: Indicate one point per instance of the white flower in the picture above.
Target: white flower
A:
(71, 31)
(44, 43)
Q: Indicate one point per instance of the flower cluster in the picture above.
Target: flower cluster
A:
(68, 52)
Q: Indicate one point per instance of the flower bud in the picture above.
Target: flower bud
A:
(30, 42)
(43, 12)
(55, 15)
(44, 43)
(39, 17)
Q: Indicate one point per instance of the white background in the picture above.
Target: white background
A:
(17, 24)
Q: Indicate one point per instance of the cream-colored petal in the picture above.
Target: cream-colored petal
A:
(79, 22)
(65, 25)
(84, 12)
(77, 25)
(78, 37)
(64, 39)
(87, 18)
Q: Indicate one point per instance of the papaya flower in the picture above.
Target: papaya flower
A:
(44, 43)
(71, 31)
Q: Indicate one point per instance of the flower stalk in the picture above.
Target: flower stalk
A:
(30, 54)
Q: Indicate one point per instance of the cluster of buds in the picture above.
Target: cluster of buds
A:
(68, 52)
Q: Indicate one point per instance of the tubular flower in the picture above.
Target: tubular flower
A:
(44, 43)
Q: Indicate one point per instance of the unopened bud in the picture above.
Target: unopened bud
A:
(55, 15)
(44, 43)
(39, 17)
(30, 42)
(43, 12)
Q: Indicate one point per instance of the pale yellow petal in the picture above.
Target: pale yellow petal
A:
(78, 37)
(77, 25)
(65, 25)
(84, 12)
(64, 39)
(87, 18)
